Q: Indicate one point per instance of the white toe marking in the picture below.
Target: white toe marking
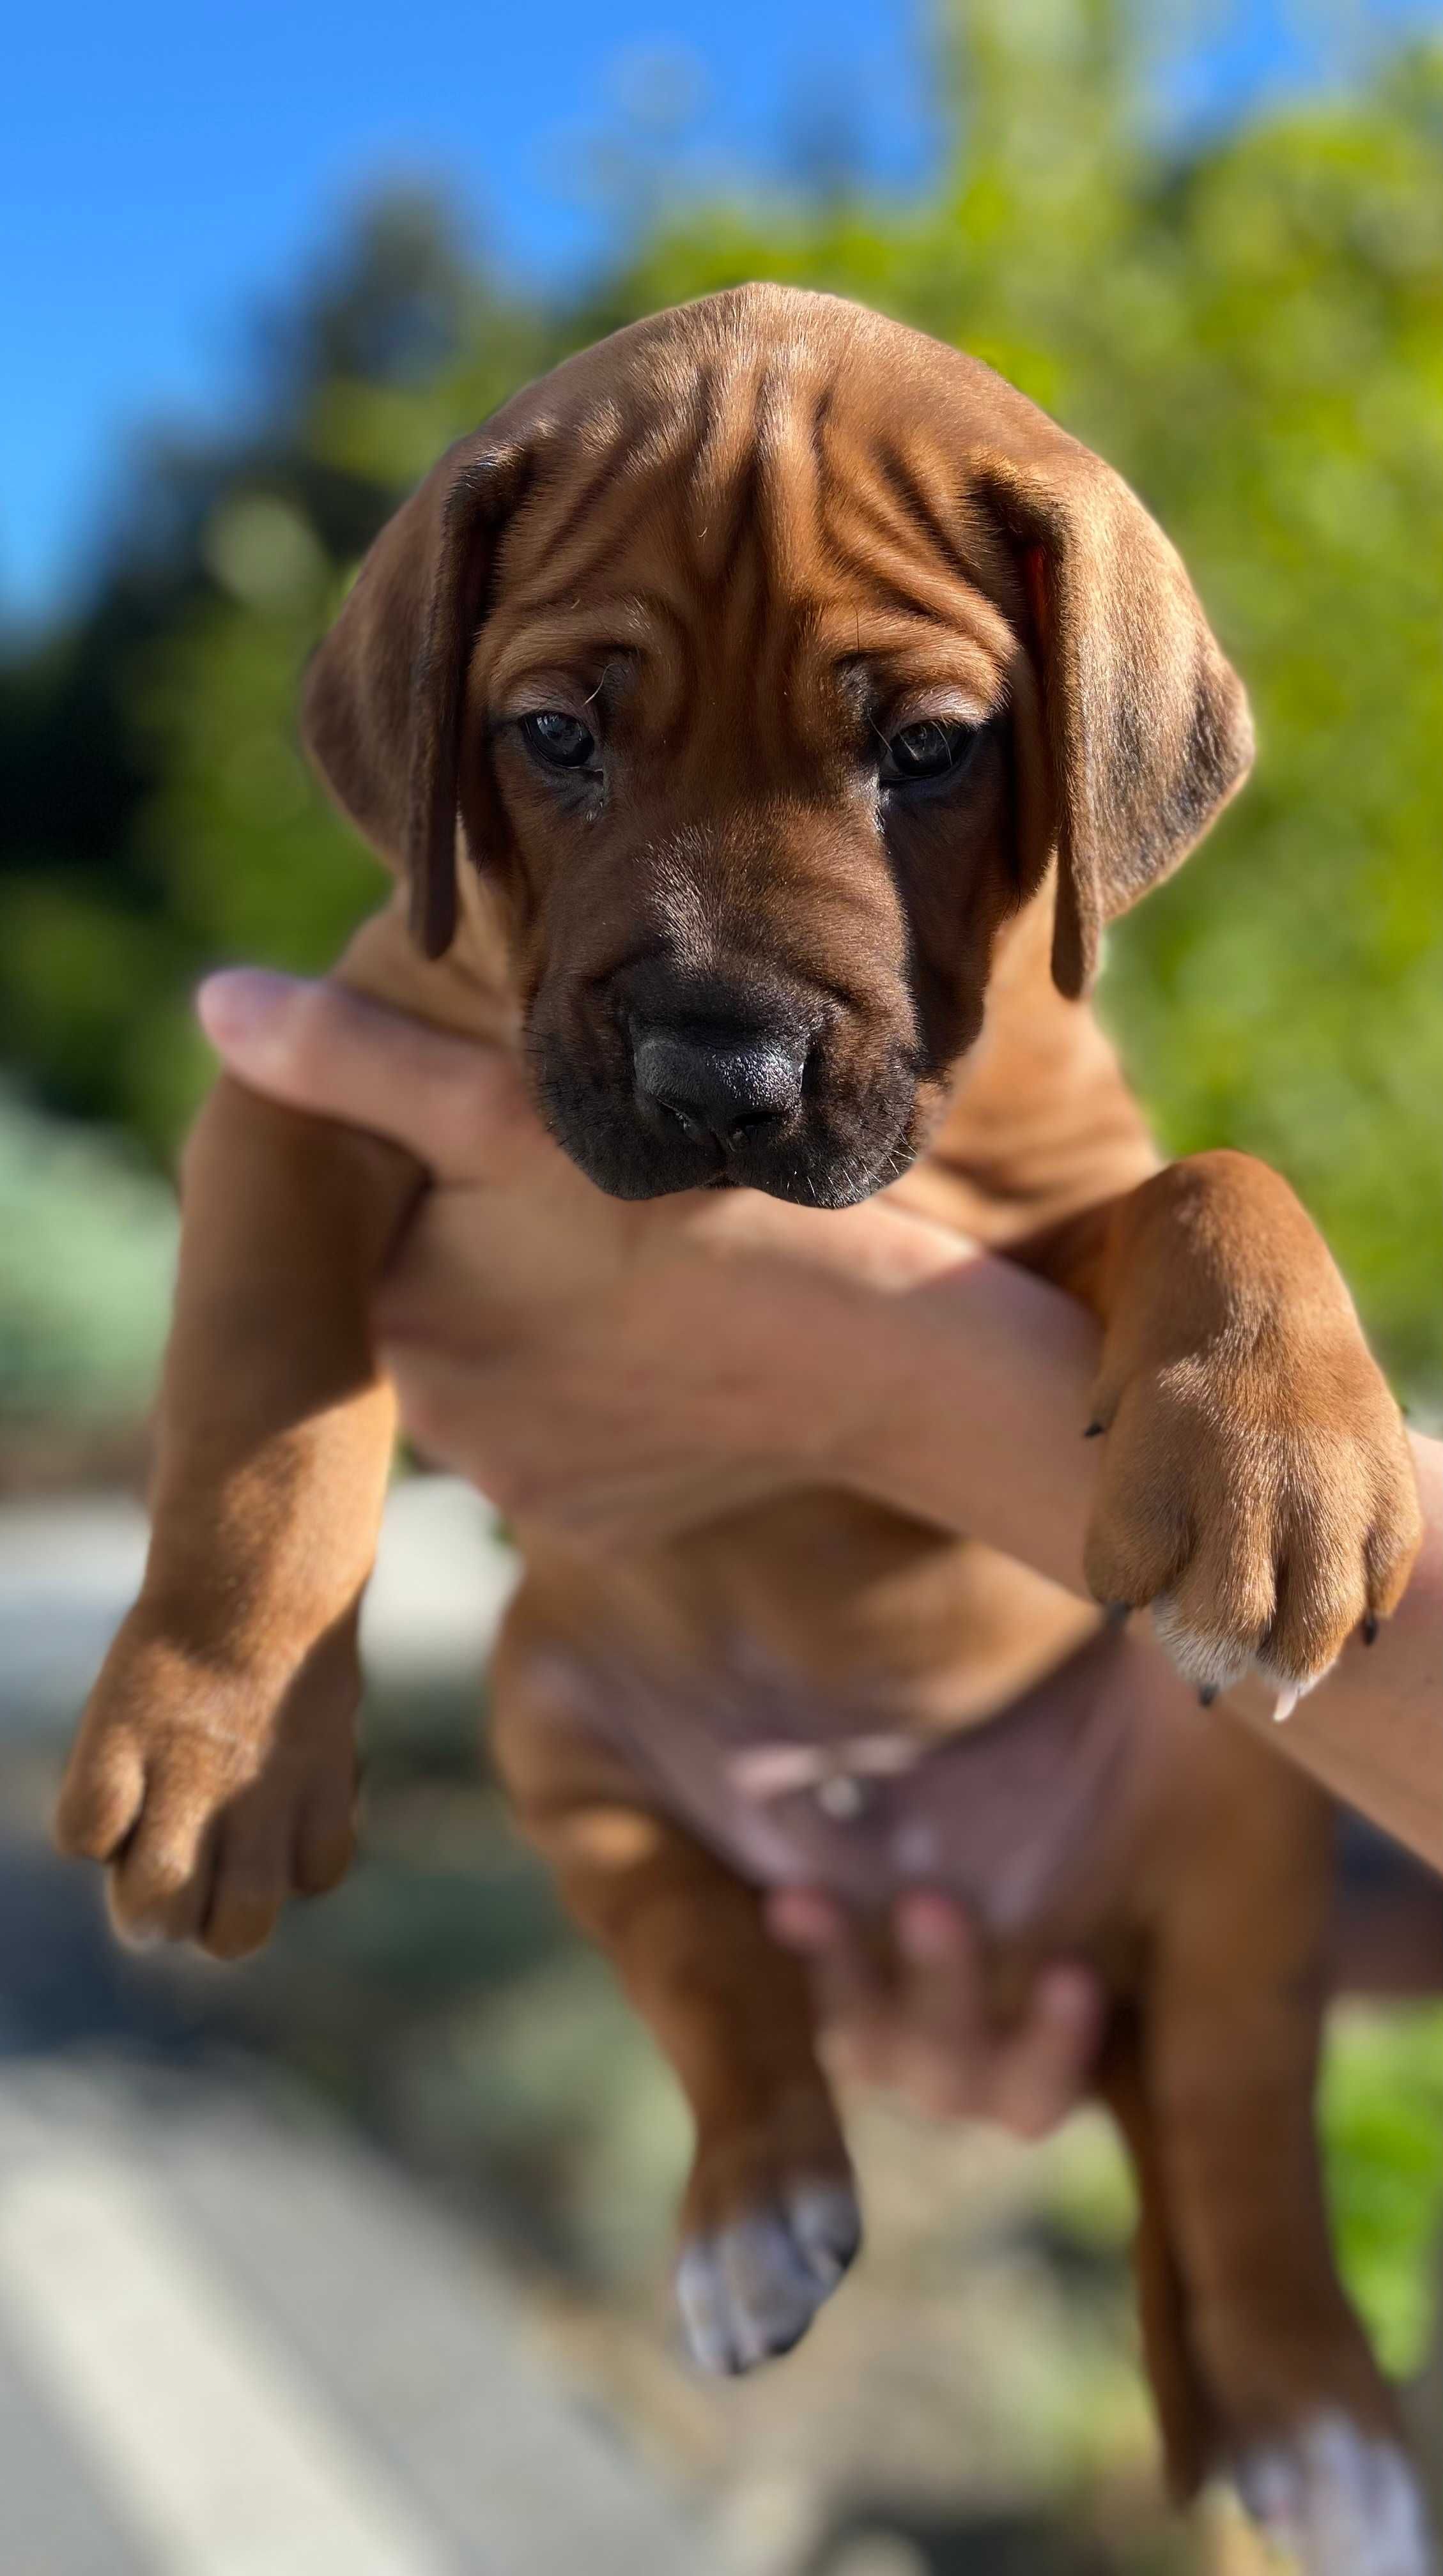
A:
(754, 2287)
(826, 2227)
(1344, 2503)
(1211, 1662)
(745, 2293)
(698, 2295)
(1214, 1664)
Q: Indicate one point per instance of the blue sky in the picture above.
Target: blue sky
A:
(167, 163)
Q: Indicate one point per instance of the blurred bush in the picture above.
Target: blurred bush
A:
(1251, 327)
(87, 1240)
(1382, 2110)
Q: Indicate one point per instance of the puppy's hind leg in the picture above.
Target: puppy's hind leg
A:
(1302, 2415)
(769, 2218)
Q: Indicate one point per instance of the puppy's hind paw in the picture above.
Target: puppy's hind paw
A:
(750, 2290)
(1340, 2501)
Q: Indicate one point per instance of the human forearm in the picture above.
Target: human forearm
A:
(972, 1384)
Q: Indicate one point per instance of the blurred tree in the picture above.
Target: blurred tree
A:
(1247, 324)
(158, 816)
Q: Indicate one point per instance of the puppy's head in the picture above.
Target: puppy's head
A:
(768, 657)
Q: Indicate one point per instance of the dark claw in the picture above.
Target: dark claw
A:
(1207, 1694)
(1370, 1629)
(1094, 1431)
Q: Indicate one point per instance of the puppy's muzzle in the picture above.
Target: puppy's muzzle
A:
(717, 1084)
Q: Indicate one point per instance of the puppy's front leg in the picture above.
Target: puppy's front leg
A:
(1256, 1484)
(214, 1769)
(769, 2220)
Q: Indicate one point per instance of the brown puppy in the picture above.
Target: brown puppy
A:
(766, 712)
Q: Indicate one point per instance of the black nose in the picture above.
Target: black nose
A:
(717, 1081)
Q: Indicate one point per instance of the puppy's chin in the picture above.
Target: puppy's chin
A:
(822, 1162)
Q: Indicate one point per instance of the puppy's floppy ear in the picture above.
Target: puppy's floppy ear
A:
(382, 704)
(1147, 724)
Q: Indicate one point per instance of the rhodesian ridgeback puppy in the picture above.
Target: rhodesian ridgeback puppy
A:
(764, 714)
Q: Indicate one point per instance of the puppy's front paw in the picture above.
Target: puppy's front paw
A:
(1340, 2502)
(211, 1795)
(771, 2224)
(1262, 1500)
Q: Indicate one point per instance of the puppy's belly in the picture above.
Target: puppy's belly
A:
(1018, 1816)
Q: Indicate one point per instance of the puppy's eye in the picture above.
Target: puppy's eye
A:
(558, 741)
(929, 749)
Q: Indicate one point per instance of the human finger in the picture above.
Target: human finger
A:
(853, 2001)
(1040, 2071)
(943, 2053)
(460, 1107)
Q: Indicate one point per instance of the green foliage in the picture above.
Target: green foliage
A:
(87, 1244)
(1249, 327)
(1382, 2120)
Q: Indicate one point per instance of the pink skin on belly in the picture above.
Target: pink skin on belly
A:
(1006, 1815)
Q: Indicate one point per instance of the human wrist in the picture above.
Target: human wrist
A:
(977, 1373)
(890, 1362)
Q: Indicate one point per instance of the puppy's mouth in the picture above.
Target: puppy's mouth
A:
(697, 1105)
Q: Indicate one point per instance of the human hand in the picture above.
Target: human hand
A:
(923, 2032)
(612, 1369)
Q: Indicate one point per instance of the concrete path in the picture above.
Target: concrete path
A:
(231, 2344)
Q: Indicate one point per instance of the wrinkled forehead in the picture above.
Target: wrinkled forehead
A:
(744, 504)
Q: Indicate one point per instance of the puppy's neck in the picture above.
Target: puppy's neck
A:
(471, 990)
(481, 962)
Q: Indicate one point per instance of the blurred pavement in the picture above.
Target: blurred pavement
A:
(68, 1571)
